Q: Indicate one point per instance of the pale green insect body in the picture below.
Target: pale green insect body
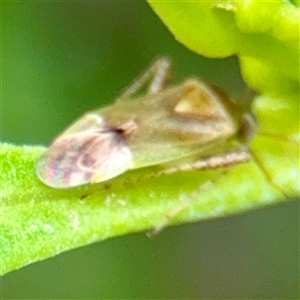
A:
(167, 126)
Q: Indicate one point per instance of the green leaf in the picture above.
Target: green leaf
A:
(38, 222)
(265, 31)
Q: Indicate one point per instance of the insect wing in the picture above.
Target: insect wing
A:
(176, 123)
(166, 125)
(88, 152)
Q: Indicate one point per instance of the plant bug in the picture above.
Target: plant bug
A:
(189, 126)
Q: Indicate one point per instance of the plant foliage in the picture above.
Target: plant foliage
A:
(38, 222)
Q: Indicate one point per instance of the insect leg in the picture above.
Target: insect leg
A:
(268, 176)
(155, 78)
(214, 162)
(210, 162)
(161, 76)
(182, 204)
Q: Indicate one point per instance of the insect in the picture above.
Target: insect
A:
(189, 126)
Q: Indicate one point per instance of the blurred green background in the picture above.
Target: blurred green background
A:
(61, 59)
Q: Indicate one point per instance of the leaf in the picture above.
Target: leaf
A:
(267, 32)
(38, 222)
